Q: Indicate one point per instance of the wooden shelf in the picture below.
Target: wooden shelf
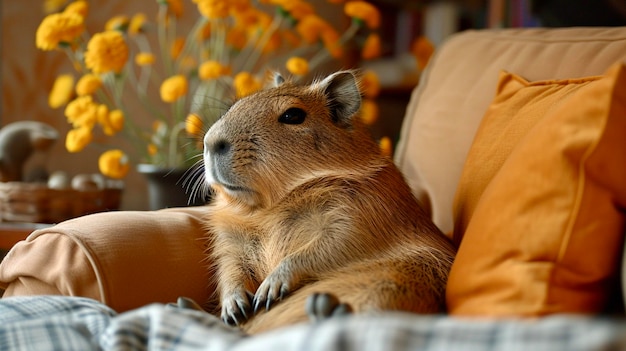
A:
(12, 232)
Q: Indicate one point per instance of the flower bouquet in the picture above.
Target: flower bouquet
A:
(183, 83)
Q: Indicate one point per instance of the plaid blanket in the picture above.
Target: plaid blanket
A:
(74, 323)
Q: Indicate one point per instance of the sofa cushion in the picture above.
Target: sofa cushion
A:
(125, 259)
(546, 231)
(459, 84)
(517, 107)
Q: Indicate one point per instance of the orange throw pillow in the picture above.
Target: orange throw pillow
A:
(540, 205)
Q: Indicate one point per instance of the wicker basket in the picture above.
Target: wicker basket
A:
(37, 203)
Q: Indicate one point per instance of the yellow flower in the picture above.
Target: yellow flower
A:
(296, 9)
(116, 120)
(370, 85)
(194, 125)
(371, 47)
(174, 88)
(422, 49)
(239, 6)
(51, 6)
(137, 24)
(363, 11)
(297, 66)
(79, 7)
(102, 115)
(205, 32)
(114, 164)
(272, 44)
(188, 63)
(245, 84)
(61, 91)
(111, 122)
(290, 38)
(157, 125)
(263, 21)
(241, 32)
(177, 47)
(77, 138)
(311, 27)
(330, 38)
(213, 9)
(119, 22)
(152, 149)
(106, 52)
(237, 38)
(247, 18)
(59, 28)
(174, 7)
(368, 113)
(144, 59)
(82, 112)
(386, 147)
(212, 70)
(88, 84)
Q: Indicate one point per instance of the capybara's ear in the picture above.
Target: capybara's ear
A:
(343, 95)
(278, 79)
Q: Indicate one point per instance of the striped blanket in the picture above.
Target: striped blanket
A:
(74, 323)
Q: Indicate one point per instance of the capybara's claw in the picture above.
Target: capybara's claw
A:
(236, 308)
(321, 306)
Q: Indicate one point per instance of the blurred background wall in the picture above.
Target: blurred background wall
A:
(28, 73)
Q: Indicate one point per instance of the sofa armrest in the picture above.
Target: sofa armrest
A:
(124, 259)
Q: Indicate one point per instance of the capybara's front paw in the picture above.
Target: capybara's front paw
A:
(273, 289)
(320, 306)
(236, 307)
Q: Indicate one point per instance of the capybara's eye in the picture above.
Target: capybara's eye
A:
(293, 115)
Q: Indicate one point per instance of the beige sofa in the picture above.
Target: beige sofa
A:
(535, 204)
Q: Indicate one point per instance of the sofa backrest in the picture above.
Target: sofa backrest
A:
(459, 84)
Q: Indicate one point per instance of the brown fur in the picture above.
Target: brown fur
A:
(314, 207)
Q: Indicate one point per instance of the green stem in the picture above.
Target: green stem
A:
(145, 101)
(173, 144)
(115, 84)
(252, 60)
(104, 97)
(163, 40)
(78, 64)
(146, 70)
(220, 43)
(191, 42)
(209, 111)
